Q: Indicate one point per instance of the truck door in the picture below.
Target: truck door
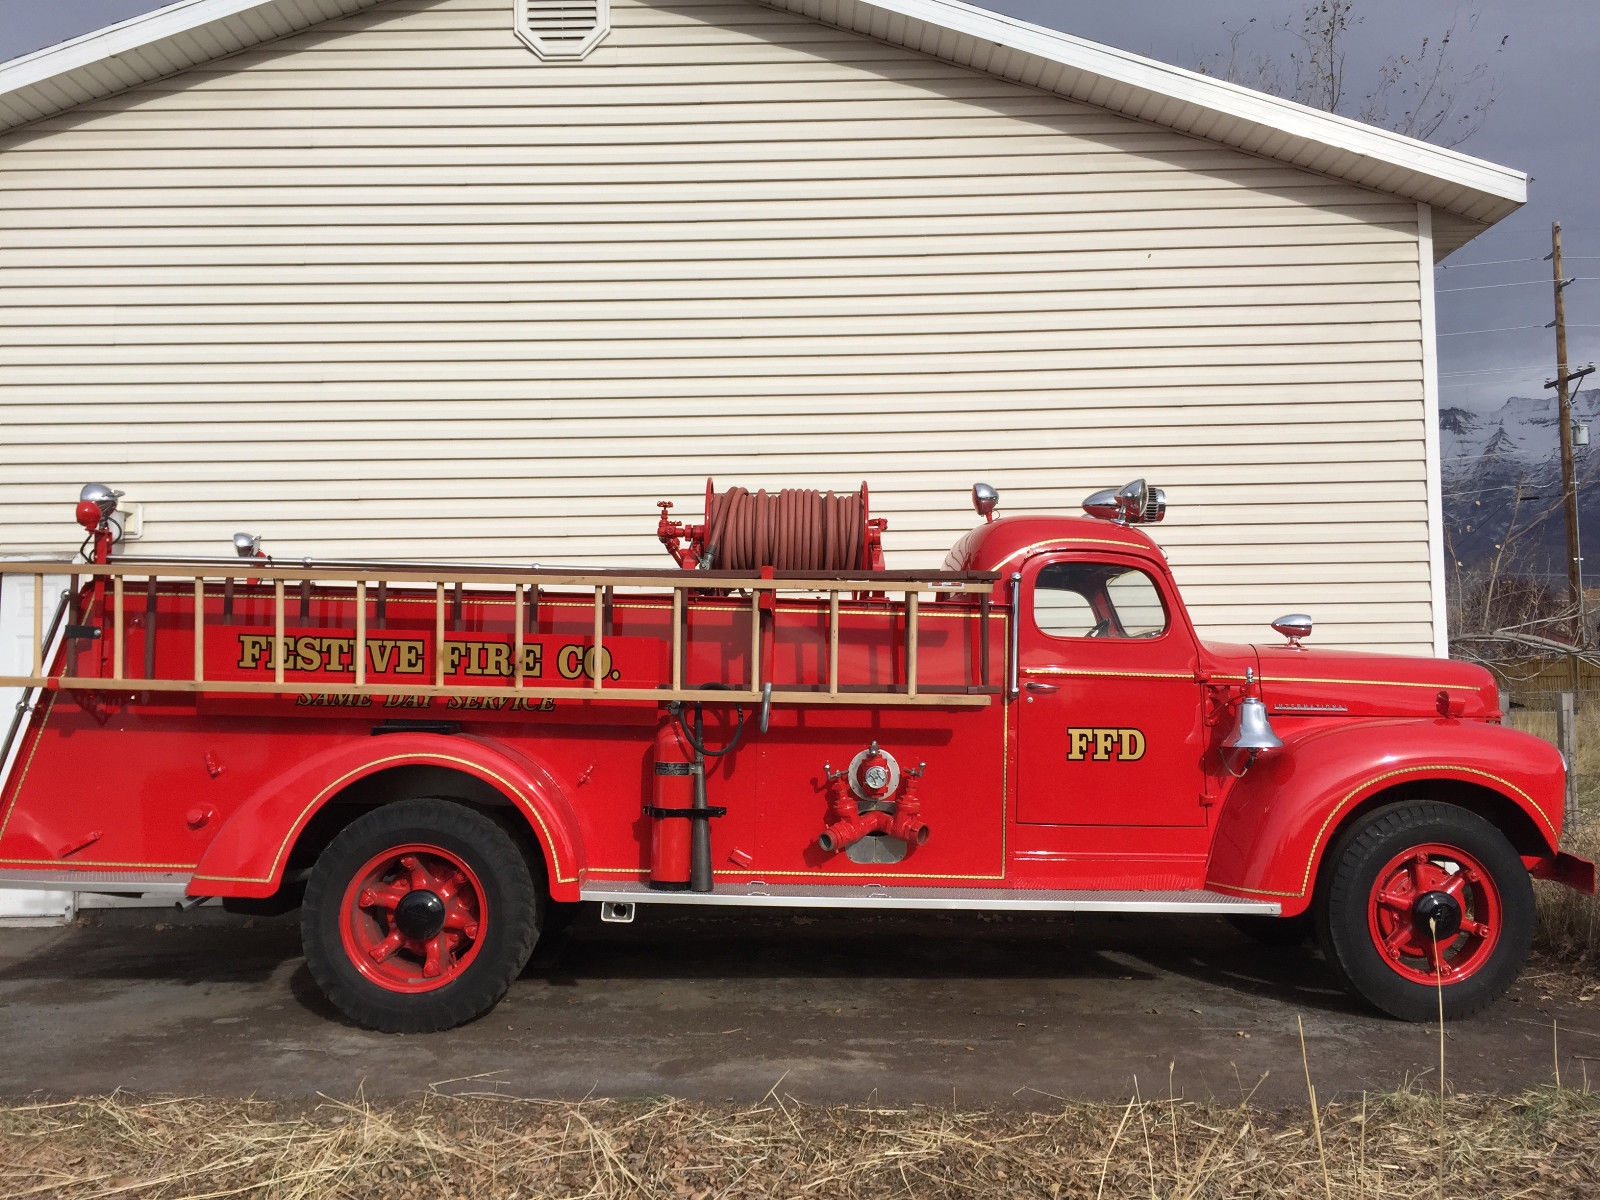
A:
(1111, 726)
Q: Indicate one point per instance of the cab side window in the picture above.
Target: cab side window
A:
(1104, 600)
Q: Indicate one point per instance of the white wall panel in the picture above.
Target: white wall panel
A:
(393, 287)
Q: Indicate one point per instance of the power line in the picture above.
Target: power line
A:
(1530, 369)
(1501, 329)
(1483, 287)
(1506, 262)
(1493, 262)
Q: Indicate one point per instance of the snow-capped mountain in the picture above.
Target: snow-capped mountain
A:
(1488, 456)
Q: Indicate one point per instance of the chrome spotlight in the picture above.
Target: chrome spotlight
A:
(102, 497)
(984, 500)
(1294, 627)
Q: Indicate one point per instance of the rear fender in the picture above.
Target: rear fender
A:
(247, 856)
(1278, 821)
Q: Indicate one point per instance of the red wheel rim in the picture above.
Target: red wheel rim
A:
(1444, 883)
(413, 918)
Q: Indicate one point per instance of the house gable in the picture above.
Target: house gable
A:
(1470, 193)
(354, 289)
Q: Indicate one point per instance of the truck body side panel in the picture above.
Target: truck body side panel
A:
(222, 782)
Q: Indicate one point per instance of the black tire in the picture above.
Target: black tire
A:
(1276, 931)
(1345, 892)
(505, 898)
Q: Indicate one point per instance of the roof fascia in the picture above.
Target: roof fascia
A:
(1216, 95)
(132, 34)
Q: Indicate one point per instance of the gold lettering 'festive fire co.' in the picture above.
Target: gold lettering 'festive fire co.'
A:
(1104, 745)
(409, 656)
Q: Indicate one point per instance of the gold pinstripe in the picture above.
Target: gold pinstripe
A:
(16, 791)
(1109, 674)
(1369, 682)
(69, 864)
(512, 788)
(1056, 544)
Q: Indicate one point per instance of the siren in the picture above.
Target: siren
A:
(1136, 503)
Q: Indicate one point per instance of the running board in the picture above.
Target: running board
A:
(111, 883)
(980, 899)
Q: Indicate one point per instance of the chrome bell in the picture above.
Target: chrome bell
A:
(247, 545)
(1252, 731)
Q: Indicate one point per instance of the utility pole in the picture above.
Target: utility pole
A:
(1569, 483)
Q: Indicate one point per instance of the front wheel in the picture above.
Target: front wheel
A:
(1427, 904)
(418, 916)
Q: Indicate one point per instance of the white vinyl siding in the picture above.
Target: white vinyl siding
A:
(393, 287)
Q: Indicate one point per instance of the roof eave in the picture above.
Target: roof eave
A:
(1207, 107)
(91, 67)
(1478, 193)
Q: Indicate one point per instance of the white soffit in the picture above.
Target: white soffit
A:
(1476, 192)
(150, 46)
(1473, 192)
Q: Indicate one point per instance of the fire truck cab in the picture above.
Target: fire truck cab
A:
(437, 762)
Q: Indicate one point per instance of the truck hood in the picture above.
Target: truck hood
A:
(1339, 683)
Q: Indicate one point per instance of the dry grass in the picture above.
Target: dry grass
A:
(1568, 927)
(1542, 1144)
(1569, 924)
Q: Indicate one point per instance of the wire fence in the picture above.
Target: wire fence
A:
(1537, 710)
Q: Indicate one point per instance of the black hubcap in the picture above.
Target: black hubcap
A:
(419, 915)
(1442, 911)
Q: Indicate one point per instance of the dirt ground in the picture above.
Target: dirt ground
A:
(841, 1008)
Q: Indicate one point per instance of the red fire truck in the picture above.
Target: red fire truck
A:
(436, 763)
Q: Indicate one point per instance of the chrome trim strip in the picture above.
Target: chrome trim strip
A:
(1013, 683)
(114, 883)
(974, 899)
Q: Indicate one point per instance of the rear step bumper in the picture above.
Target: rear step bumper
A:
(979, 899)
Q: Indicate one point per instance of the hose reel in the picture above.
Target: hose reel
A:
(793, 529)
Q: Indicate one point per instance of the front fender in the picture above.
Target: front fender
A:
(1278, 820)
(247, 856)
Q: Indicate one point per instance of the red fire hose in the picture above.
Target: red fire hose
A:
(795, 529)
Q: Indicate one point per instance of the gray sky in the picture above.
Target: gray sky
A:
(1543, 122)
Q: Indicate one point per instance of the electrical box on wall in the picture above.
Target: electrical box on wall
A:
(131, 517)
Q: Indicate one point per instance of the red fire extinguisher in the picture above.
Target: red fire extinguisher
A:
(671, 803)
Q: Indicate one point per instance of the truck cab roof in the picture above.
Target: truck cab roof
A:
(1001, 544)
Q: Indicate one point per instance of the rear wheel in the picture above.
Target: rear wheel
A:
(418, 916)
(1426, 903)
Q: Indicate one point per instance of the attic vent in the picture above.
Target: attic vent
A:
(562, 30)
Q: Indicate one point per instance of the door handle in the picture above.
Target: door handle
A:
(1035, 686)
